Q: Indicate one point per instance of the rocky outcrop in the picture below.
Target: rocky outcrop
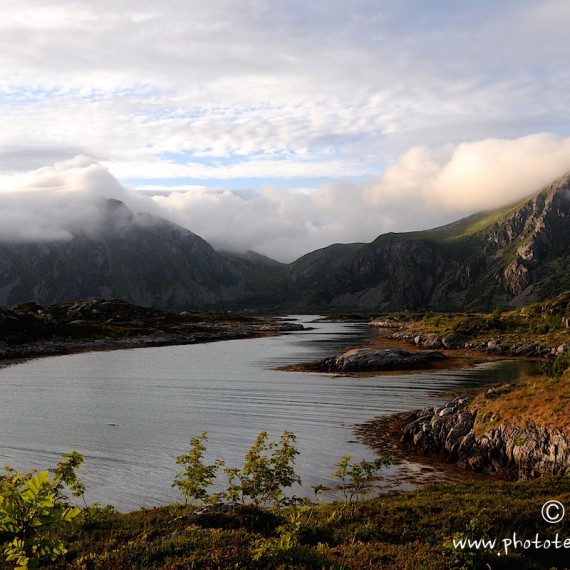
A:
(455, 434)
(510, 257)
(456, 341)
(373, 360)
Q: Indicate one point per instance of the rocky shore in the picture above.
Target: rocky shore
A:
(460, 434)
(494, 345)
(30, 330)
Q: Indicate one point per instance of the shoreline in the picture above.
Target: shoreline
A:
(18, 353)
(380, 434)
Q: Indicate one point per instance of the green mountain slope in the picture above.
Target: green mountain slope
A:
(512, 256)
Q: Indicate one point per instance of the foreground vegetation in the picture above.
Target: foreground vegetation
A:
(263, 529)
(411, 530)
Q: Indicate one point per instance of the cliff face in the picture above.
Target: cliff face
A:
(513, 256)
(456, 435)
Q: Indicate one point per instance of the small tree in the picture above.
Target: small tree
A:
(356, 478)
(33, 510)
(65, 476)
(196, 477)
(268, 469)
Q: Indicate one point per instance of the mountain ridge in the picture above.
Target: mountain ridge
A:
(509, 256)
(506, 257)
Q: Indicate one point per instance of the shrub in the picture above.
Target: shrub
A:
(555, 367)
(356, 478)
(33, 510)
(268, 469)
(196, 477)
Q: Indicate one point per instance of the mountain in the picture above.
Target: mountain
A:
(512, 256)
(137, 257)
(509, 257)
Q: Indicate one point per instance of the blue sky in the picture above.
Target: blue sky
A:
(347, 118)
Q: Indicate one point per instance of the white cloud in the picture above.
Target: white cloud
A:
(331, 86)
(54, 203)
(431, 106)
(422, 189)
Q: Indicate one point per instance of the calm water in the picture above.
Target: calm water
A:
(131, 412)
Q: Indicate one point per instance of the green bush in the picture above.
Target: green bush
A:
(268, 469)
(33, 510)
(555, 367)
(196, 477)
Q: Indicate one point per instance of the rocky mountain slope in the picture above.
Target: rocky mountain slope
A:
(510, 257)
(138, 257)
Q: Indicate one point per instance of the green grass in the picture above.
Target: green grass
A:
(540, 323)
(409, 530)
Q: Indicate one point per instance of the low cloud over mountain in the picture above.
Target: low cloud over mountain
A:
(424, 188)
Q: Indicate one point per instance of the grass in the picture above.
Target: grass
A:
(405, 530)
(542, 400)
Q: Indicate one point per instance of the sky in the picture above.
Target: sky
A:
(277, 126)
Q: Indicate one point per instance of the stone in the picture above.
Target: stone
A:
(369, 359)
(509, 451)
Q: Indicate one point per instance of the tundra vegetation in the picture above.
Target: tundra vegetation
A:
(399, 530)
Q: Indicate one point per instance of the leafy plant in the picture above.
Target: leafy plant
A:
(356, 478)
(555, 367)
(33, 509)
(268, 469)
(65, 476)
(197, 476)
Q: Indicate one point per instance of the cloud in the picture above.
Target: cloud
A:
(191, 91)
(474, 176)
(54, 203)
(424, 188)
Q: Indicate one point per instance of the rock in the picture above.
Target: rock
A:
(526, 350)
(494, 345)
(220, 507)
(510, 451)
(563, 348)
(386, 324)
(453, 341)
(369, 359)
(430, 341)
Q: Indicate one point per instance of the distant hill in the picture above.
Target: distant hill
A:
(509, 257)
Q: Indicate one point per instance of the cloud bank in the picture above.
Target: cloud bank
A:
(424, 188)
